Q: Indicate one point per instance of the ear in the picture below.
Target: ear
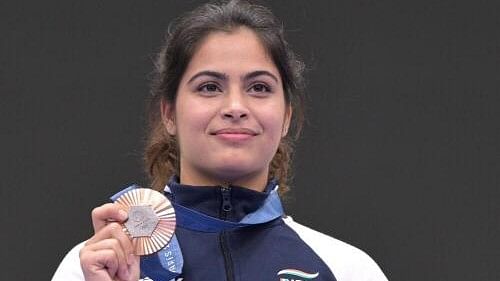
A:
(167, 116)
(287, 121)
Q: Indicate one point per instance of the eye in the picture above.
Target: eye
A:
(209, 88)
(260, 88)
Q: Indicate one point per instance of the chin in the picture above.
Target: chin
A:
(234, 170)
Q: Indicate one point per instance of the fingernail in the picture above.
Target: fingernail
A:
(123, 215)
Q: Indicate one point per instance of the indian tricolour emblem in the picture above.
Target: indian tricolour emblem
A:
(295, 275)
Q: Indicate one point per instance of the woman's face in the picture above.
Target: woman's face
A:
(230, 112)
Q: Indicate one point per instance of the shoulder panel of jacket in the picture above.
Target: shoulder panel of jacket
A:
(345, 261)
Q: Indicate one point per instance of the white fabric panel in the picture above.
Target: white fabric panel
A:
(69, 269)
(347, 262)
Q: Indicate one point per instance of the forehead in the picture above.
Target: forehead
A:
(238, 51)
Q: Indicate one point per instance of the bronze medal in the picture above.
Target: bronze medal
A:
(151, 219)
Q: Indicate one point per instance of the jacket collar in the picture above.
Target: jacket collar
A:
(210, 199)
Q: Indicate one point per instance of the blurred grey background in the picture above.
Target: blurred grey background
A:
(400, 155)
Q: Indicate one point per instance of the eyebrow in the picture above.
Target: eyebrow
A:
(215, 74)
(223, 76)
(259, 73)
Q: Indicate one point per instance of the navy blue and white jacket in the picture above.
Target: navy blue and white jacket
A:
(280, 249)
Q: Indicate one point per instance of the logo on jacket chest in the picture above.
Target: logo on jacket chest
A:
(295, 275)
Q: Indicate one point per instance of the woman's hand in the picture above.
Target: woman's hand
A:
(108, 255)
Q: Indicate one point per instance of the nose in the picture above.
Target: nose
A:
(235, 107)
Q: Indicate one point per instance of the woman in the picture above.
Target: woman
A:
(226, 94)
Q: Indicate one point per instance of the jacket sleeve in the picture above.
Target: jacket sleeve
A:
(346, 262)
(69, 269)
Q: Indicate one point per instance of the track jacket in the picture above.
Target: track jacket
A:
(280, 249)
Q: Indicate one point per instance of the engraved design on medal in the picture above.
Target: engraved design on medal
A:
(151, 219)
(141, 222)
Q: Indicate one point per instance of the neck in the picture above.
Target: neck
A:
(257, 181)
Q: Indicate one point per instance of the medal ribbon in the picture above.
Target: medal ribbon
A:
(166, 264)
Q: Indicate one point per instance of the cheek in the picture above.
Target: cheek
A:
(192, 117)
(272, 120)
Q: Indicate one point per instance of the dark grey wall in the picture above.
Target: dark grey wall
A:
(400, 156)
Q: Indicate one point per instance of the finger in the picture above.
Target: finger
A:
(114, 230)
(110, 244)
(121, 255)
(134, 267)
(98, 265)
(102, 215)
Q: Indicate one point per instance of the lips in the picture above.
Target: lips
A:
(235, 131)
(235, 134)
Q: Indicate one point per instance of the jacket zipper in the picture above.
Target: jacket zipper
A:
(226, 208)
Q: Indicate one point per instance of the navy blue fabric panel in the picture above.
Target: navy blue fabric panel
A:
(260, 252)
(203, 258)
